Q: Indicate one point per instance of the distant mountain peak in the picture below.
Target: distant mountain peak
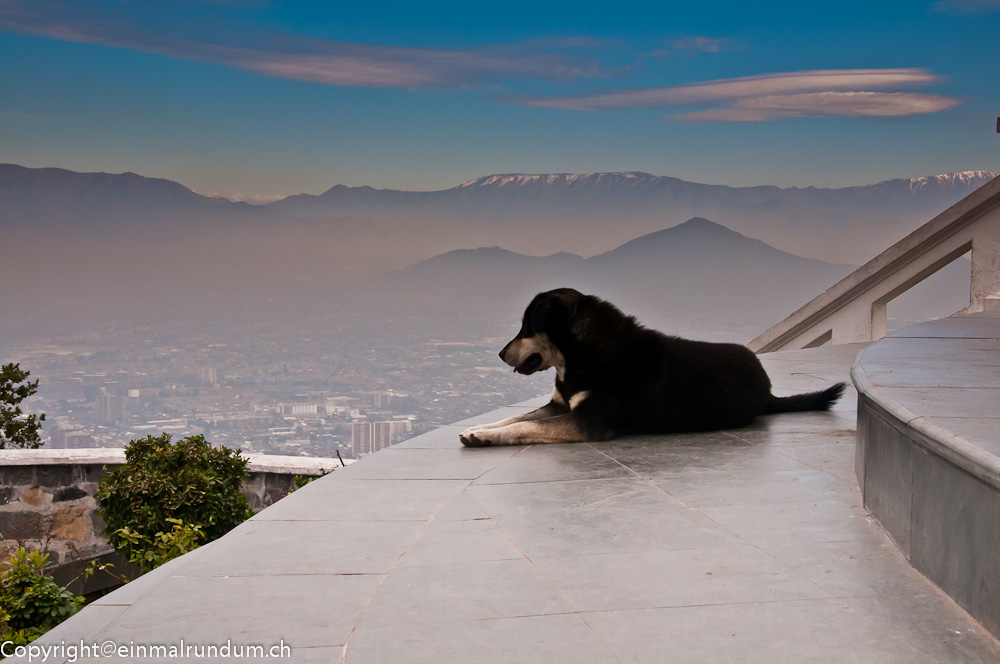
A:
(511, 181)
(700, 222)
(517, 180)
(951, 179)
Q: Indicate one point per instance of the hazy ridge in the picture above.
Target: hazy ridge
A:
(85, 242)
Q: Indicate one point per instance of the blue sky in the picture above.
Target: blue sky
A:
(261, 98)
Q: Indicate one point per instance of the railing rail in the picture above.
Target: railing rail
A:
(854, 309)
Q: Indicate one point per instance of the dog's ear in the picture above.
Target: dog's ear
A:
(550, 314)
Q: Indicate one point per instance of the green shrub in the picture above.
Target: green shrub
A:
(170, 496)
(151, 552)
(31, 603)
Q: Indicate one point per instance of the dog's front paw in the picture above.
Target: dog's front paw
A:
(475, 437)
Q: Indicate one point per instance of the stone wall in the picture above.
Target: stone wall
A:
(48, 497)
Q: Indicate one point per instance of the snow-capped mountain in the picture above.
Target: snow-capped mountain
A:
(534, 214)
(586, 213)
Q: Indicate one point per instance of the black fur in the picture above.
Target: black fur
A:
(639, 380)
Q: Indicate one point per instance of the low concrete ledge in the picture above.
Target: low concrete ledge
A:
(48, 500)
(928, 453)
(114, 456)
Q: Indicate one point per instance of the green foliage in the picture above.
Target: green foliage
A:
(301, 481)
(151, 552)
(16, 430)
(31, 603)
(170, 497)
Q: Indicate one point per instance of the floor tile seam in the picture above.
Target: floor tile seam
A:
(337, 521)
(769, 554)
(786, 568)
(845, 605)
(477, 484)
(668, 607)
(485, 619)
(499, 463)
(938, 594)
(698, 507)
(559, 592)
(353, 480)
(554, 480)
(759, 503)
(604, 554)
(608, 456)
(378, 586)
(163, 579)
(707, 473)
(583, 613)
(392, 567)
(777, 446)
(934, 591)
(850, 483)
(818, 375)
(570, 603)
(282, 575)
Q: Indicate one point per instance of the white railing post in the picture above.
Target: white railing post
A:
(985, 267)
(854, 309)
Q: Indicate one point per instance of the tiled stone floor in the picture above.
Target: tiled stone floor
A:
(739, 546)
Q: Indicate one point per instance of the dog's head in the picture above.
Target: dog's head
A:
(545, 329)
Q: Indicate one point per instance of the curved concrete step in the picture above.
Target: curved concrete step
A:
(928, 454)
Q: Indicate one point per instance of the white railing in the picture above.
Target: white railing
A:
(854, 310)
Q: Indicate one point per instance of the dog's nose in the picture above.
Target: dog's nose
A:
(503, 352)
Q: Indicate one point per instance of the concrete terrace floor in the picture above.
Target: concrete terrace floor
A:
(739, 546)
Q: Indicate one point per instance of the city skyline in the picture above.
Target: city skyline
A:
(258, 100)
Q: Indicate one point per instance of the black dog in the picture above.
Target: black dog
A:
(616, 377)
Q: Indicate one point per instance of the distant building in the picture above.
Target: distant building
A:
(299, 409)
(368, 437)
(69, 436)
(381, 435)
(209, 376)
(381, 399)
(108, 408)
(361, 438)
(133, 404)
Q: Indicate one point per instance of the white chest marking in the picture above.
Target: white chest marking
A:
(577, 399)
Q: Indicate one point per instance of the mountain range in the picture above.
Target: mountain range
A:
(643, 241)
(585, 214)
(692, 278)
(359, 227)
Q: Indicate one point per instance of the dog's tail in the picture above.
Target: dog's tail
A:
(821, 400)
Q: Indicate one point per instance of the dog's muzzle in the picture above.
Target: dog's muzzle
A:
(529, 365)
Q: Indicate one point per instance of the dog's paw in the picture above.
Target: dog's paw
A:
(474, 437)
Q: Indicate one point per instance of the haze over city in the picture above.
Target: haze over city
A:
(269, 221)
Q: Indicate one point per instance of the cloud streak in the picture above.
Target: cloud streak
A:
(327, 62)
(823, 104)
(852, 92)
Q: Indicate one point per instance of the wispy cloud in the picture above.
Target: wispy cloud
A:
(855, 92)
(303, 58)
(822, 104)
(700, 43)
